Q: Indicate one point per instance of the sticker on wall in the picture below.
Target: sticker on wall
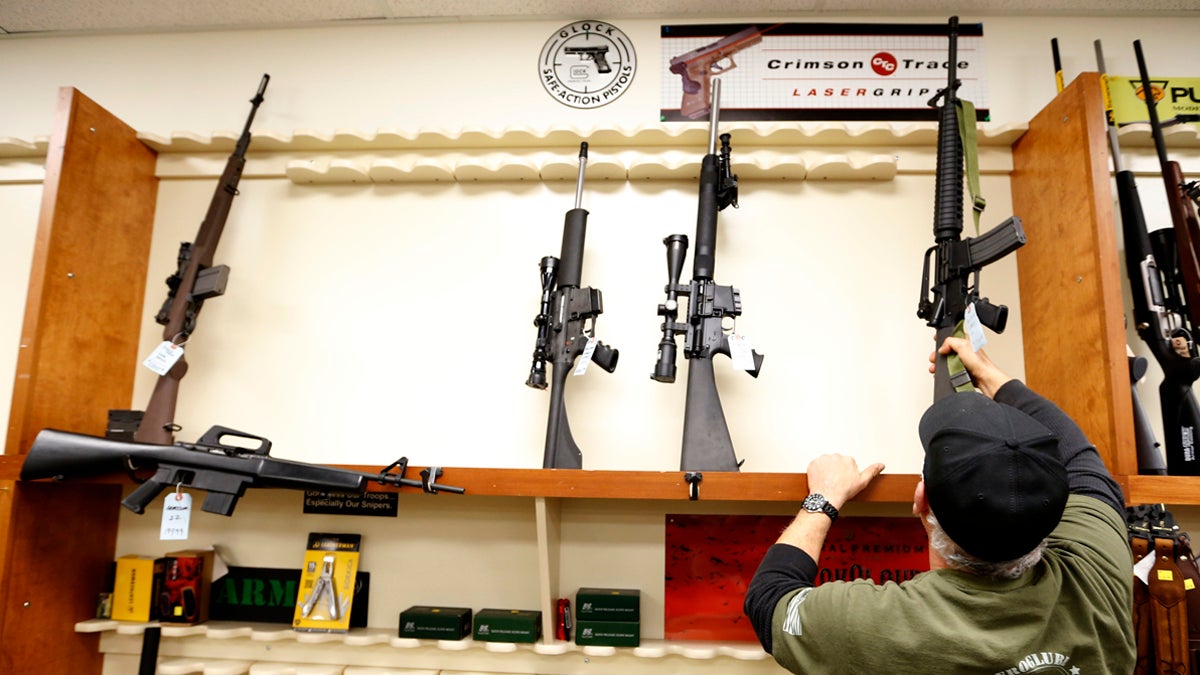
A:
(587, 64)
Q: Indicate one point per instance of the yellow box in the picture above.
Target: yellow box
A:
(133, 588)
(327, 583)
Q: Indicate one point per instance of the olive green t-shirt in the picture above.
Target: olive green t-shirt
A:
(1069, 615)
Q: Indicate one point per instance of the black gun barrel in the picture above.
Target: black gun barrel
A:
(705, 254)
(570, 271)
(948, 198)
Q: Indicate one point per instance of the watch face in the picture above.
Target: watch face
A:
(814, 502)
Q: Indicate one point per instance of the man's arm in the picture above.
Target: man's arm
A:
(792, 562)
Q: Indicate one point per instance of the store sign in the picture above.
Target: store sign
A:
(587, 64)
(812, 71)
(1177, 99)
(710, 560)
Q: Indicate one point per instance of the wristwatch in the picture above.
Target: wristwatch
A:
(817, 503)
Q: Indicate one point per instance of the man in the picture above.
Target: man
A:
(1030, 569)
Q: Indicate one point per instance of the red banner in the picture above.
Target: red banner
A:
(711, 559)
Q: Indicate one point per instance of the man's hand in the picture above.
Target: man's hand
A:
(988, 378)
(839, 478)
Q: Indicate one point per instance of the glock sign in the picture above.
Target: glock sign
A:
(587, 64)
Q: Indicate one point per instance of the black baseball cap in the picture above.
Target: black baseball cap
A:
(994, 476)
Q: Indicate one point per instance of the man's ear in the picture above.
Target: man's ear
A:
(920, 504)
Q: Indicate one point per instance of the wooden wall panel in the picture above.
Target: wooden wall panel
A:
(83, 313)
(1072, 312)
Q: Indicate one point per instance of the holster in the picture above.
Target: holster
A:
(1168, 611)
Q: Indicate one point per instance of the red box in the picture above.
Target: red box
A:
(184, 587)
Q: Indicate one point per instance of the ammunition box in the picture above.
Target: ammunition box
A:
(134, 588)
(608, 604)
(439, 623)
(508, 625)
(608, 633)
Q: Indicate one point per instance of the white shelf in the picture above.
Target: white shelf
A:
(232, 648)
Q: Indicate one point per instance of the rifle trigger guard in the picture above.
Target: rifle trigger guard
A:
(693, 479)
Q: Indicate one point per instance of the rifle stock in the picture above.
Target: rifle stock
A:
(566, 324)
(223, 471)
(195, 280)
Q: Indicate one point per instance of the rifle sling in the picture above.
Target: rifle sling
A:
(966, 133)
(960, 379)
(1168, 606)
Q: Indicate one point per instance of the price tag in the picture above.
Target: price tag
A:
(177, 512)
(164, 356)
(741, 352)
(589, 348)
(973, 328)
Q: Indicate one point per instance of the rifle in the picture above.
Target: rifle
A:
(958, 261)
(564, 332)
(223, 470)
(1155, 324)
(1168, 314)
(707, 444)
(697, 67)
(194, 281)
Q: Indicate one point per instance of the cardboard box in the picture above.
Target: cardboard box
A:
(439, 623)
(508, 625)
(133, 588)
(608, 633)
(184, 585)
(608, 604)
(327, 583)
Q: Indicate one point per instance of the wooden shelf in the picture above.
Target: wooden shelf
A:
(645, 485)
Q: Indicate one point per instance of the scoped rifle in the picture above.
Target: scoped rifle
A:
(957, 261)
(1155, 324)
(707, 445)
(566, 326)
(697, 67)
(224, 471)
(1170, 295)
(195, 281)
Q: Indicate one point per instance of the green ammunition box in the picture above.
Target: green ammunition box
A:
(608, 604)
(439, 623)
(508, 625)
(608, 633)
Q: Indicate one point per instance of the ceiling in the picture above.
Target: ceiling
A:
(49, 17)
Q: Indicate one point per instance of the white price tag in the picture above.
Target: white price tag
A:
(741, 352)
(973, 328)
(585, 358)
(1142, 569)
(164, 356)
(177, 512)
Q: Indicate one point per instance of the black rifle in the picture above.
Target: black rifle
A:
(707, 445)
(1155, 324)
(223, 470)
(195, 281)
(1165, 286)
(957, 261)
(566, 325)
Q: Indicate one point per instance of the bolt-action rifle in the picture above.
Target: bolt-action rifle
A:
(707, 445)
(566, 324)
(1154, 322)
(195, 281)
(956, 261)
(221, 469)
(1166, 291)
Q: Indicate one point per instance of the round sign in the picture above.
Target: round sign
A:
(587, 64)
